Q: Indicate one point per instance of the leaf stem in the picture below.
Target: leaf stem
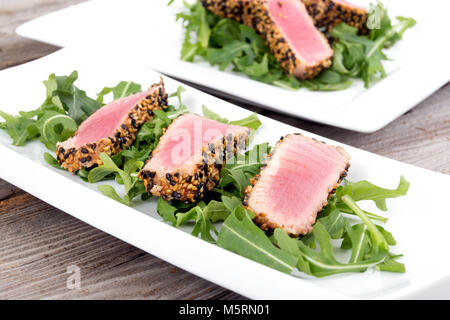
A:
(376, 235)
(371, 215)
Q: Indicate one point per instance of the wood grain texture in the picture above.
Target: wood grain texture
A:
(39, 242)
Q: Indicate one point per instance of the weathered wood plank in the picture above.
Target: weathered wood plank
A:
(13, 49)
(39, 242)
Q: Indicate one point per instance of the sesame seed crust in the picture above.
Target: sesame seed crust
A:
(192, 184)
(327, 13)
(257, 16)
(261, 218)
(88, 155)
(231, 9)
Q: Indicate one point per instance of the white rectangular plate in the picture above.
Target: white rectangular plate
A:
(147, 31)
(419, 221)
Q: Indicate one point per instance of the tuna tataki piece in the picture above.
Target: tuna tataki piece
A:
(187, 161)
(299, 176)
(110, 129)
(290, 33)
(328, 13)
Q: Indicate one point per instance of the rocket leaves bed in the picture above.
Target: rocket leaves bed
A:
(228, 44)
(342, 226)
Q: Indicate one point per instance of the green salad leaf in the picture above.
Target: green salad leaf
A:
(239, 234)
(63, 94)
(121, 90)
(58, 117)
(51, 160)
(368, 191)
(229, 45)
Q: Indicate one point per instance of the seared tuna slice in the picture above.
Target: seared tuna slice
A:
(289, 31)
(299, 176)
(231, 9)
(110, 129)
(187, 161)
(328, 13)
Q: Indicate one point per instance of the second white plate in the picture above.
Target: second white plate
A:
(146, 31)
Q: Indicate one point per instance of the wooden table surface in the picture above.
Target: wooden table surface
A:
(38, 242)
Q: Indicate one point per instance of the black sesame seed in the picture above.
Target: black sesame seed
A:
(84, 150)
(189, 179)
(168, 176)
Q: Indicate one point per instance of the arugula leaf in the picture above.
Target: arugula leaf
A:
(217, 211)
(51, 160)
(237, 173)
(106, 168)
(335, 224)
(195, 21)
(166, 211)
(251, 121)
(204, 216)
(203, 225)
(62, 93)
(376, 235)
(321, 263)
(128, 177)
(213, 116)
(121, 90)
(364, 190)
(391, 265)
(110, 192)
(240, 235)
(20, 129)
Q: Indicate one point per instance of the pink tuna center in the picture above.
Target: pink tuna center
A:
(185, 139)
(104, 122)
(301, 171)
(297, 26)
